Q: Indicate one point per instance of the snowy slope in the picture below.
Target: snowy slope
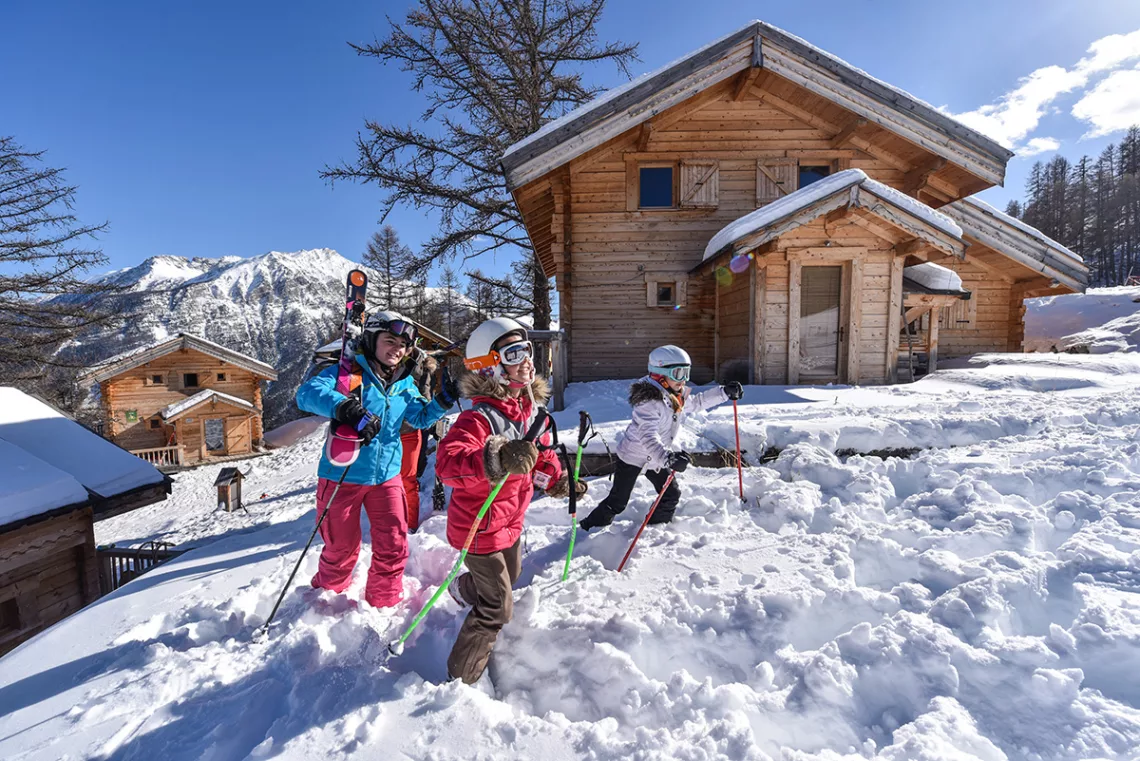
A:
(1104, 319)
(976, 601)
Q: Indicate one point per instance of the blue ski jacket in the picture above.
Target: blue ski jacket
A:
(401, 401)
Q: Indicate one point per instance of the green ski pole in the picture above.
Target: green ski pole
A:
(584, 424)
(397, 647)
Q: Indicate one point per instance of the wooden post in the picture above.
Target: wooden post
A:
(893, 318)
(760, 305)
(854, 320)
(932, 341)
(751, 326)
(795, 275)
(716, 329)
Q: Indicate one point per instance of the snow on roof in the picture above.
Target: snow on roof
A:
(29, 486)
(804, 197)
(99, 465)
(173, 410)
(934, 276)
(129, 359)
(1029, 230)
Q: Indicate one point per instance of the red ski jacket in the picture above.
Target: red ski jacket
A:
(464, 463)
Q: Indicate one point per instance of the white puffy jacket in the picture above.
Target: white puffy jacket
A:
(649, 436)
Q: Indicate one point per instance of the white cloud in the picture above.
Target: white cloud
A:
(1113, 105)
(1016, 114)
(1036, 145)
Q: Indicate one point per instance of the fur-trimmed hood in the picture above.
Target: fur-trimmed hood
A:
(473, 384)
(643, 391)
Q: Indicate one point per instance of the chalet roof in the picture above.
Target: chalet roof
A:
(931, 278)
(226, 476)
(772, 49)
(172, 411)
(1024, 244)
(129, 361)
(48, 461)
(852, 188)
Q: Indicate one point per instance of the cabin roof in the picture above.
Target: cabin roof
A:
(48, 461)
(851, 188)
(129, 361)
(226, 476)
(1020, 242)
(934, 279)
(772, 49)
(172, 411)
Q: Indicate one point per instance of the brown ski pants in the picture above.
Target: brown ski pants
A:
(487, 588)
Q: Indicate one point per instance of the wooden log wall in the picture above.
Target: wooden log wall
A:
(996, 318)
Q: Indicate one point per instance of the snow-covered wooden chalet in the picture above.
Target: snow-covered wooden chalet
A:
(182, 401)
(56, 479)
(761, 203)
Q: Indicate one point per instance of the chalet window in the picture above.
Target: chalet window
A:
(665, 293)
(655, 187)
(810, 174)
(155, 423)
(700, 184)
(775, 178)
(190, 380)
(156, 380)
(962, 315)
(221, 376)
(9, 616)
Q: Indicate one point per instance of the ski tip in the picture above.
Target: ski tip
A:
(396, 648)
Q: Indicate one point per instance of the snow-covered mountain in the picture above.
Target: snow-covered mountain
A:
(276, 307)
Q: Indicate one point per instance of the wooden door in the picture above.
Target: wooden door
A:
(214, 436)
(821, 304)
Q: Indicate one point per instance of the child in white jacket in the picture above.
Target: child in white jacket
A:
(660, 402)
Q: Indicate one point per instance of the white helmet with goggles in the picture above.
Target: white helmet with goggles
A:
(387, 322)
(481, 355)
(672, 362)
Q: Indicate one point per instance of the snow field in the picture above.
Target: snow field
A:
(978, 600)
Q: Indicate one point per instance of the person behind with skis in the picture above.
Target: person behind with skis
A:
(388, 398)
(421, 368)
(483, 446)
(660, 402)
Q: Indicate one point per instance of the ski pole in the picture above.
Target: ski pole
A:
(739, 465)
(312, 536)
(397, 647)
(583, 423)
(644, 523)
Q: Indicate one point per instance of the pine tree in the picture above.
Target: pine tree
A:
(396, 264)
(493, 73)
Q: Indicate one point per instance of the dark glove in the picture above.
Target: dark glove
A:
(561, 488)
(518, 457)
(448, 389)
(351, 412)
(733, 390)
(678, 461)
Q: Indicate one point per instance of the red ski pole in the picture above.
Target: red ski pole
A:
(739, 466)
(645, 522)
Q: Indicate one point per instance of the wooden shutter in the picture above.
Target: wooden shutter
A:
(775, 178)
(961, 316)
(700, 183)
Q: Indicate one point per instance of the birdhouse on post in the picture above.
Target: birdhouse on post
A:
(229, 489)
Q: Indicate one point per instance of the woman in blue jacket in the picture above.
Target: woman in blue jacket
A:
(388, 398)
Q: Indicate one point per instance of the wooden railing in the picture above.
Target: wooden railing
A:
(117, 565)
(162, 456)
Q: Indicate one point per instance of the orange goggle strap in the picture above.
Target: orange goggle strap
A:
(482, 363)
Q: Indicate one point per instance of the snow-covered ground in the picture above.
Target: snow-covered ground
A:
(978, 600)
(1103, 319)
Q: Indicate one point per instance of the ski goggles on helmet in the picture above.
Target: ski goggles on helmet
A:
(676, 372)
(402, 328)
(511, 354)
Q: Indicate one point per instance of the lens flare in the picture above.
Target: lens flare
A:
(738, 264)
(723, 276)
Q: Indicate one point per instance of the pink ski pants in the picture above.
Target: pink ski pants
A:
(386, 507)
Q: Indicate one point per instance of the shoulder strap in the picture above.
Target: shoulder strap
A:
(501, 425)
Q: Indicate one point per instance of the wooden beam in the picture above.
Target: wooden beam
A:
(893, 318)
(645, 136)
(854, 320)
(914, 313)
(932, 344)
(744, 83)
(835, 215)
(916, 179)
(795, 277)
(845, 135)
(910, 247)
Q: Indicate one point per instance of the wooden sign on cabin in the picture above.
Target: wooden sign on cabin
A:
(229, 489)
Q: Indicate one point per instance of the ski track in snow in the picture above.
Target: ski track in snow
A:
(978, 600)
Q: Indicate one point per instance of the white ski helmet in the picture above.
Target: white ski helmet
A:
(670, 361)
(482, 341)
(387, 322)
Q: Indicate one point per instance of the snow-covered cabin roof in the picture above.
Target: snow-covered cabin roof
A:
(39, 442)
(1024, 244)
(850, 187)
(929, 277)
(755, 45)
(172, 411)
(130, 360)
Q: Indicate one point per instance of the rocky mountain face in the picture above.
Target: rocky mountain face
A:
(277, 307)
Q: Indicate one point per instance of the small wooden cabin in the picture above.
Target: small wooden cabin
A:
(625, 197)
(228, 483)
(56, 479)
(183, 401)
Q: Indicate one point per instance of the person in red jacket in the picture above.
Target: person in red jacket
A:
(484, 445)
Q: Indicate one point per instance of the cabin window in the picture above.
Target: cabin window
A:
(810, 174)
(156, 423)
(221, 376)
(190, 380)
(665, 293)
(156, 380)
(655, 187)
(9, 616)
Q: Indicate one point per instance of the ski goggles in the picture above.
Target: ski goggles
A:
(511, 354)
(402, 328)
(676, 372)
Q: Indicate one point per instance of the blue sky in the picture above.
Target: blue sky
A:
(199, 129)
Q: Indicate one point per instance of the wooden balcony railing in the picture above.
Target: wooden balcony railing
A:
(163, 456)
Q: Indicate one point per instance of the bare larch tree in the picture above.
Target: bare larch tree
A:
(396, 264)
(44, 252)
(493, 72)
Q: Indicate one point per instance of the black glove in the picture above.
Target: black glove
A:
(678, 461)
(351, 412)
(733, 390)
(448, 389)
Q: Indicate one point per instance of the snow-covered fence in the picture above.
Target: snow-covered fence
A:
(117, 565)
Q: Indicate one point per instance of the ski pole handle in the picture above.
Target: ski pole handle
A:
(364, 421)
